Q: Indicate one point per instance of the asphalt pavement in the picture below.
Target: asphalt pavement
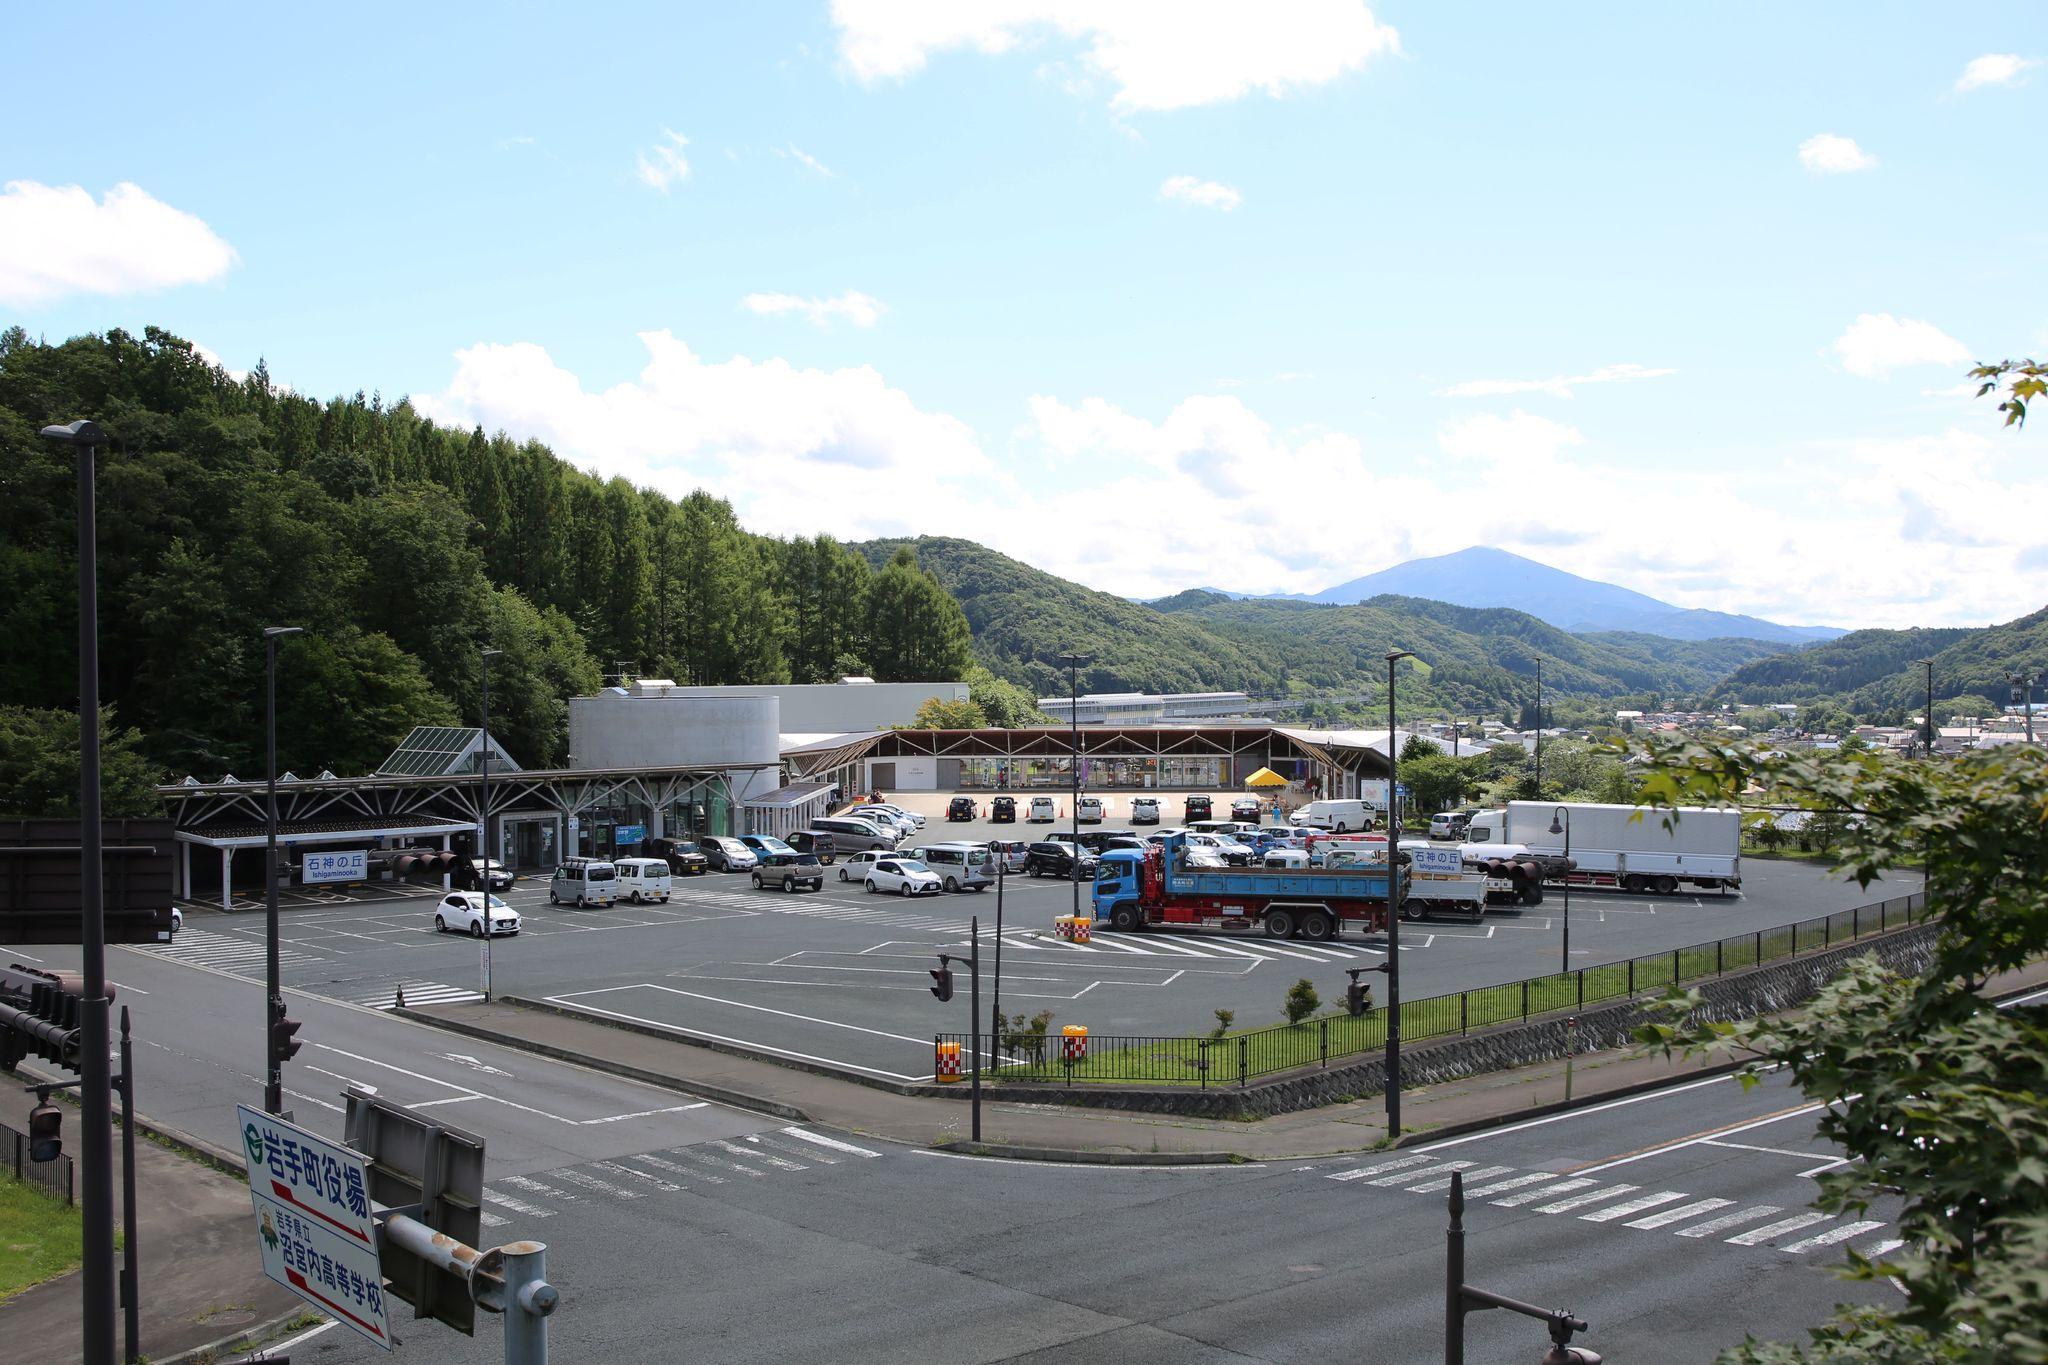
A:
(840, 976)
(1674, 1222)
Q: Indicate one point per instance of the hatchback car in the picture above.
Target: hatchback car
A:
(961, 808)
(499, 877)
(817, 843)
(1055, 858)
(764, 844)
(904, 876)
(1197, 808)
(727, 855)
(1144, 810)
(1088, 810)
(464, 912)
(854, 866)
(1043, 812)
(789, 871)
(1003, 810)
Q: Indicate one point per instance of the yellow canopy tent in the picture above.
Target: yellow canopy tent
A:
(1265, 777)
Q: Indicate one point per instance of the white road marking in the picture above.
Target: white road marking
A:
(1443, 1182)
(1577, 1113)
(1514, 1201)
(1757, 1236)
(821, 1140)
(615, 1168)
(1751, 1147)
(1360, 1172)
(1833, 1235)
(1637, 1205)
(702, 1159)
(1579, 1201)
(1884, 1248)
(1665, 1148)
(666, 1165)
(647, 1113)
(779, 1163)
(506, 1201)
(591, 1182)
(489, 1219)
(1730, 1220)
(1403, 1177)
(1517, 1183)
(1680, 1214)
(541, 1187)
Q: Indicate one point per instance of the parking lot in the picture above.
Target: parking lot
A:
(840, 976)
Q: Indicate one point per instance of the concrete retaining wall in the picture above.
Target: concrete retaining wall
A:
(1768, 989)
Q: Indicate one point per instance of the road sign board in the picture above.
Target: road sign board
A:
(437, 1173)
(628, 834)
(316, 1233)
(352, 865)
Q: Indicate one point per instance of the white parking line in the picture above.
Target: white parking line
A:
(1833, 1235)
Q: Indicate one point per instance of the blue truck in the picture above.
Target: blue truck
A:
(1136, 889)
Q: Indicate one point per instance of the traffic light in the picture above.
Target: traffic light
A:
(41, 1014)
(284, 1045)
(1358, 995)
(942, 981)
(45, 1132)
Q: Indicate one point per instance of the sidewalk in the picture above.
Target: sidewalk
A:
(201, 1280)
(1057, 1131)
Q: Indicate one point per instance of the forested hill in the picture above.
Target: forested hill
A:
(226, 506)
(1872, 672)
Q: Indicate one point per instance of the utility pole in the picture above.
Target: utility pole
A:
(1393, 910)
(1927, 719)
(273, 1004)
(2023, 693)
(95, 1095)
(1539, 727)
(1073, 661)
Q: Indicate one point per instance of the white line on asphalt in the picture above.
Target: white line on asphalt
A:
(1092, 1165)
(1360, 1172)
(1757, 1236)
(591, 1182)
(778, 1162)
(488, 1219)
(806, 1135)
(1576, 1113)
(1730, 1220)
(741, 1004)
(1884, 1248)
(1125, 947)
(1579, 1201)
(1637, 1205)
(692, 1154)
(616, 1169)
(1680, 1214)
(1664, 1149)
(452, 1099)
(1443, 1182)
(748, 1042)
(541, 1187)
(1403, 1177)
(1238, 952)
(506, 1201)
(1535, 1178)
(646, 1113)
(1833, 1235)
(1161, 945)
(1751, 1147)
(665, 1165)
(1531, 1196)
(1827, 1166)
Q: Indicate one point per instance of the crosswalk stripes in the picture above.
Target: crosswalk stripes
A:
(226, 952)
(416, 993)
(1152, 945)
(1542, 1192)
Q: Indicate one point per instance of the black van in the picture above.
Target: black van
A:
(1198, 808)
(1003, 810)
(815, 842)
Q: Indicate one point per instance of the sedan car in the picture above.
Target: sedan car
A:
(904, 876)
(465, 912)
(789, 871)
(499, 877)
(1245, 808)
(727, 855)
(961, 808)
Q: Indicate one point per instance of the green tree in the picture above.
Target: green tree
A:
(940, 714)
(1938, 1097)
(39, 767)
(1415, 746)
(1001, 701)
(1436, 781)
(345, 699)
(543, 665)
(1302, 1001)
(916, 631)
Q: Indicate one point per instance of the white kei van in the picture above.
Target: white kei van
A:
(642, 879)
(960, 866)
(1088, 810)
(1043, 812)
(1340, 817)
(584, 881)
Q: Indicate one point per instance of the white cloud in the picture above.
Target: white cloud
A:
(804, 157)
(1875, 344)
(1160, 54)
(860, 309)
(1995, 68)
(663, 166)
(1513, 444)
(1830, 154)
(1210, 194)
(1557, 386)
(56, 241)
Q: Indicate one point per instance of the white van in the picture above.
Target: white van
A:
(584, 881)
(1043, 812)
(960, 866)
(1088, 810)
(1341, 817)
(643, 879)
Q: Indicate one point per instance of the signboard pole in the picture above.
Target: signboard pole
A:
(487, 947)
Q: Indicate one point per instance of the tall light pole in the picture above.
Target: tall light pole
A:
(273, 1003)
(2023, 693)
(1073, 661)
(1927, 720)
(1539, 727)
(96, 1089)
(1394, 656)
(1561, 823)
(486, 655)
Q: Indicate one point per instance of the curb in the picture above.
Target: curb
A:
(733, 1098)
(247, 1343)
(1414, 1137)
(1073, 1156)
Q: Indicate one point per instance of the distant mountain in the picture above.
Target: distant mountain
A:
(1483, 577)
(1870, 671)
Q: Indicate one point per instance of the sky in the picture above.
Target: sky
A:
(1152, 294)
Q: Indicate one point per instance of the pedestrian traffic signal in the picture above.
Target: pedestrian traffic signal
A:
(942, 982)
(45, 1132)
(284, 1043)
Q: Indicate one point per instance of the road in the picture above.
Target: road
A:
(1673, 1223)
(839, 976)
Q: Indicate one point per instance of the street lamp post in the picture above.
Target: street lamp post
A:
(2023, 693)
(1539, 727)
(1561, 823)
(486, 655)
(1073, 661)
(1927, 720)
(1393, 909)
(273, 1004)
(95, 1092)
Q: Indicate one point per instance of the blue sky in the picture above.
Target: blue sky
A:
(1150, 295)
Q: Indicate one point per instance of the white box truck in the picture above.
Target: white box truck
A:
(1623, 847)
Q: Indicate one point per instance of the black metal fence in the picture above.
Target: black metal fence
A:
(1234, 1059)
(55, 1176)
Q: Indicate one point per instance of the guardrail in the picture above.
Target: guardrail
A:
(1236, 1058)
(57, 1176)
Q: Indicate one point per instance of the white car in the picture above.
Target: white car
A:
(854, 867)
(904, 876)
(1088, 810)
(905, 820)
(177, 920)
(463, 912)
(1222, 845)
(1144, 810)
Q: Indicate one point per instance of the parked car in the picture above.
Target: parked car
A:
(643, 879)
(1246, 808)
(765, 843)
(1043, 812)
(1056, 858)
(908, 819)
(177, 920)
(465, 912)
(1224, 847)
(1450, 824)
(1144, 810)
(961, 808)
(499, 877)
(727, 855)
(851, 835)
(1340, 816)
(584, 881)
(1003, 810)
(1088, 811)
(904, 876)
(683, 859)
(789, 870)
(815, 842)
(854, 866)
(1009, 852)
(1196, 808)
(960, 866)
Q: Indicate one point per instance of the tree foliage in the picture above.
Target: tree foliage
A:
(2023, 381)
(1939, 1097)
(39, 767)
(938, 713)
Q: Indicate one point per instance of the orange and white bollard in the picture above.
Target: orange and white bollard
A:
(945, 1062)
(1073, 1044)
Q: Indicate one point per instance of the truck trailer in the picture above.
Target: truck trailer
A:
(1625, 848)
